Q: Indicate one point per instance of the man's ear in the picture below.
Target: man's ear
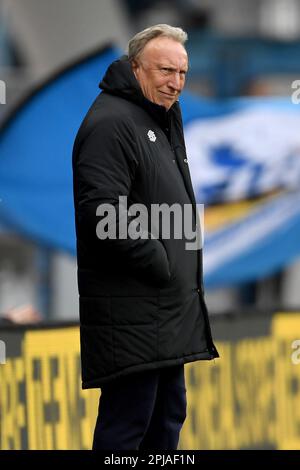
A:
(134, 66)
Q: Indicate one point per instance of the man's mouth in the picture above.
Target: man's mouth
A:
(168, 94)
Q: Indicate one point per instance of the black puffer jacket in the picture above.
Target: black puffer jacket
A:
(141, 301)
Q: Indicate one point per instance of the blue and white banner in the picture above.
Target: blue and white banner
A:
(256, 245)
(248, 149)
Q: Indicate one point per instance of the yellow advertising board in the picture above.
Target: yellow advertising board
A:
(247, 399)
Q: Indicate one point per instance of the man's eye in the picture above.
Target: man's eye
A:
(167, 71)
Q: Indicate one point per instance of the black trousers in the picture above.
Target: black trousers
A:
(142, 411)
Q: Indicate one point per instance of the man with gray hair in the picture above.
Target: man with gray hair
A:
(142, 309)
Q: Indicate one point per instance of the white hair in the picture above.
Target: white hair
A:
(139, 41)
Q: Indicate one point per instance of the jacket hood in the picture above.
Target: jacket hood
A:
(120, 80)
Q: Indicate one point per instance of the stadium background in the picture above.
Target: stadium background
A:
(241, 124)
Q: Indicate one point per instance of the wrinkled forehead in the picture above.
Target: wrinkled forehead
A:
(165, 51)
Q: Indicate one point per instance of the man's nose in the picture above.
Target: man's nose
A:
(175, 81)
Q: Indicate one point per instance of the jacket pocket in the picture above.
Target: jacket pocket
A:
(157, 269)
(172, 252)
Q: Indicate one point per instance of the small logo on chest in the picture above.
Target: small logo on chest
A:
(151, 135)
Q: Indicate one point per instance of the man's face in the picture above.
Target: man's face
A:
(161, 69)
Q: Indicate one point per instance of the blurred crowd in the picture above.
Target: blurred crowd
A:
(22, 315)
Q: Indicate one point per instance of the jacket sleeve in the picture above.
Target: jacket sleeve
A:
(104, 169)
